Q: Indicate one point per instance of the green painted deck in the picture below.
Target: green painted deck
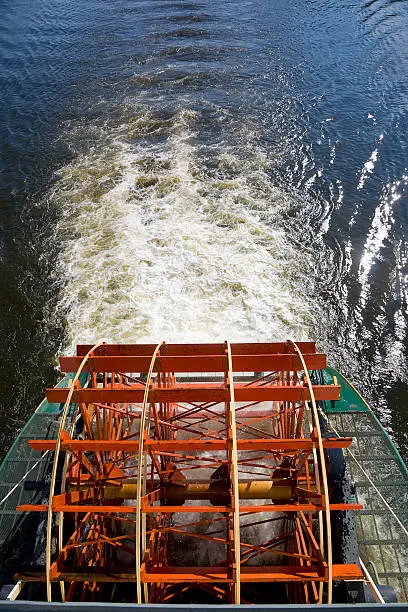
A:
(349, 400)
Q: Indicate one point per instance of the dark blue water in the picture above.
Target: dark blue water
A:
(200, 170)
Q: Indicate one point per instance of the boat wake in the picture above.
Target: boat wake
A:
(167, 237)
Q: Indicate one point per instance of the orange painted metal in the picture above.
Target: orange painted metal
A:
(61, 507)
(188, 443)
(273, 573)
(201, 363)
(159, 446)
(190, 394)
(240, 348)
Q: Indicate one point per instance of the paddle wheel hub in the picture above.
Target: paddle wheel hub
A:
(185, 469)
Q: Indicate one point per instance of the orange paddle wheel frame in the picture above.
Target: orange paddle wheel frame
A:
(192, 468)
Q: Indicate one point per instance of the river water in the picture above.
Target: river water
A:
(199, 170)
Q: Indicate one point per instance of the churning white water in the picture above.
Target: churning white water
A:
(157, 243)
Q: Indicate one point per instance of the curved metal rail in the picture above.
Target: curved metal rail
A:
(55, 467)
(329, 554)
(234, 480)
(140, 463)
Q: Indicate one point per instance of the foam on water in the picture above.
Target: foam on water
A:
(157, 243)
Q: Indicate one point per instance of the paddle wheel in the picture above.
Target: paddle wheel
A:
(191, 472)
